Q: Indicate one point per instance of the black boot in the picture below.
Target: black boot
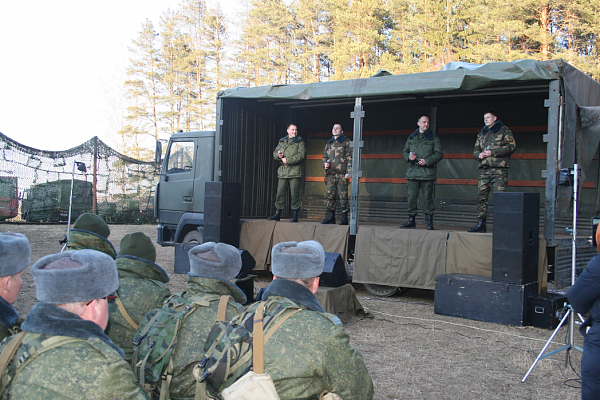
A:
(410, 223)
(276, 216)
(330, 219)
(480, 227)
(344, 220)
(294, 216)
(429, 222)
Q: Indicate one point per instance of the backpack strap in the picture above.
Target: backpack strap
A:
(223, 307)
(7, 354)
(124, 311)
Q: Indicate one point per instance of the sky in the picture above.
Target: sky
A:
(63, 63)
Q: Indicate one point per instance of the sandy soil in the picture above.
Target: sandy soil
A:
(411, 353)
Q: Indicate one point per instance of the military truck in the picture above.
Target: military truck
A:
(9, 197)
(49, 202)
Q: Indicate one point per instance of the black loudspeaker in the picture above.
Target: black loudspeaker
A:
(222, 202)
(546, 310)
(515, 248)
(248, 264)
(334, 271)
(479, 298)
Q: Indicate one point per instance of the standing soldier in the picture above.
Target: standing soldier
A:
(422, 151)
(290, 151)
(337, 161)
(493, 147)
(14, 258)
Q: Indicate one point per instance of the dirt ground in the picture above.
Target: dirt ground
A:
(411, 353)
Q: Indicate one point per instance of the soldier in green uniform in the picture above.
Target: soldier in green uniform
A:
(310, 353)
(91, 232)
(422, 151)
(493, 147)
(64, 352)
(141, 289)
(337, 161)
(290, 152)
(14, 258)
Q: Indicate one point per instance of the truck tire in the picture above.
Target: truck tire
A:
(194, 236)
(384, 291)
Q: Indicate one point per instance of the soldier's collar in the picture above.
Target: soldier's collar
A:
(495, 128)
(340, 138)
(428, 134)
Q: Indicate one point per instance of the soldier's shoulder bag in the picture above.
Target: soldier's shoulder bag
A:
(233, 365)
(157, 335)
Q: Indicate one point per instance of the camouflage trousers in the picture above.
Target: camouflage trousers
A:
(282, 185)
(337, 184)
(413, 187)
(489, 178)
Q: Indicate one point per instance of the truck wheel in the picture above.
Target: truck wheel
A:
(384, 291)
(193, 237)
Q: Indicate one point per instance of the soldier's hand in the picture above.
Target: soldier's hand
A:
(327, 165)
(347, 176)
(422, 162)
(283, 159)
(412, 157)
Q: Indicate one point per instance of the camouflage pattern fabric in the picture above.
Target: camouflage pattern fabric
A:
(5, 332)
(337, 184)
(500, 140)
(141, 289)
(310, 353)
(190, 347)
(489, 178)
(339, 154)
(426, 146)
(80, 239)
(282, 184)
(413, 188)
(294, 151)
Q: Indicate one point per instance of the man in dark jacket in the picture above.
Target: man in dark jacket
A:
(422, 151)
(14, 258)
(493, 147)
(337, 161)
(290, 151)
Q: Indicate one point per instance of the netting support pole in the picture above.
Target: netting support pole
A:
(95, 177)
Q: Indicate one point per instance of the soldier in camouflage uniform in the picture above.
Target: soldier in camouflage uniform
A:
(64, 353)
(212, 267)
(141, 289)
(422, 151)
(493, 147)
(337, 161)
(310, 353)
(290, 151)
(91, 232)
(14, 258)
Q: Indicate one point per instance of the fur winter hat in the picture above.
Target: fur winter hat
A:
(215, 260)
(92, 223)
(139, 245)
(14, 253)
(74, 276)
(297, 260)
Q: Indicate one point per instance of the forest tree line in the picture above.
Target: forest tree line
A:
(178, 66)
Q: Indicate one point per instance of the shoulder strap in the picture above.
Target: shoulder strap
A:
(124, 312)
(7, 354)
(222, 307)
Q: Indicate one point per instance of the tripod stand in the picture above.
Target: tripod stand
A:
(570, 314)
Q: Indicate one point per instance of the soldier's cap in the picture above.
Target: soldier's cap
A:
(293, 260)
(14, 253)
(139, 245)
(74, 276)
(92, 223)
(215, 260)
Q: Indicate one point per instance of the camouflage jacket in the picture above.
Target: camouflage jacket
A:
(195, 329)
(310, 352)
(339, 154)
(499, 139)
(141, 289)
(294, 151)
(9, 319)
(426, 146)
(80, 239)
(90, 368)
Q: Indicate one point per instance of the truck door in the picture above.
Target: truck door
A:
(176, 187)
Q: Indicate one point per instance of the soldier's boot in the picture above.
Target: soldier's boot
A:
(410, 223)
(330, 219)
(276, 216)
(429, 222)
(294, 216)
(480, 227)
(344, 220)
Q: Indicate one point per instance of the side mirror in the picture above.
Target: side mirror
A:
(158, 152)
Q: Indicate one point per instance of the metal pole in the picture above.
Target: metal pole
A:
(574, 248)
(356, 173)
(68, 232)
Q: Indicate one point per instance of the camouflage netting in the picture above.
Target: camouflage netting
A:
(35, 184)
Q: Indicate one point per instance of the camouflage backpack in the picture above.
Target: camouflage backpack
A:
(229, 352)
(157, 335)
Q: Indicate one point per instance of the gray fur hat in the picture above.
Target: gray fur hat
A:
(14, 253)
(86, 275)
(215, 260)
(293, 260)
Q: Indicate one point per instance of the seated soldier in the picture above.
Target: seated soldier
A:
(310, 353)
(14, 258)
(64, 351)
(212, 267)
(91, 232)
(141, 289)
